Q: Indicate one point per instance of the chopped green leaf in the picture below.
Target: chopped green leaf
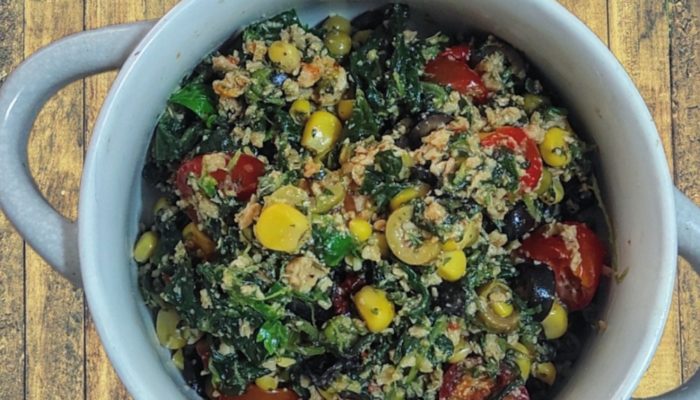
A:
(198, 98)
(274, 336)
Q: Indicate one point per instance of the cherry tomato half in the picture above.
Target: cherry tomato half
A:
(245, 175)
(242, 179)
(460, 52)
(255, 393)
(517, 140)
(450, 68)
(458, 383)
(575, 284)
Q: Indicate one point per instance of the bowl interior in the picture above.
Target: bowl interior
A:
(632, 170)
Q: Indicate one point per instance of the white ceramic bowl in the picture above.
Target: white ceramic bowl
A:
(635, 180)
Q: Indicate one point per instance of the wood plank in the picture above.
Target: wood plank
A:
(593, 13)
(685, 70)
(11, 245)
(54, 309)
(102, 382)
(639, 37)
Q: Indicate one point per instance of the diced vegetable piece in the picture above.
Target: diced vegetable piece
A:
(545, 182)
(338, 44)
(360, 229)
(516, 139)
(503, 309)
(285, 55)
(179, 359)
(160, 204)
(166, 329)
(493, 292)
(546, 372)
(408, 242)
(344, 109)
(332, 195)
(407, 195)
(321, 132)
(555, 149)
(267, 382)
(374, 308)
(469, 236)
(524, 363)
(194, 238)
(288, 194)
(254, 392)
(556, 322)
(454, 267)
(337, 23)
(532, 102)
(301, 110)
(281, 227)
(145, 246)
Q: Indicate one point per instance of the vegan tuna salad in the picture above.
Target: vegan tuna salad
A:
(359, 211)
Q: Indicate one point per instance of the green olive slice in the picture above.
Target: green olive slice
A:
(488, 316)
(408, 242)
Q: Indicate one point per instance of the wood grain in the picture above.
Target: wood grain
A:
(639, 37)
(54, 309)
(685, 73)
(11, 246)
(593, 13)
(102, 382)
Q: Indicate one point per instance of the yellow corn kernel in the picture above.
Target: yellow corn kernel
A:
(285, 55)
(160, 204)
(145, 246)
(338, 43)
(407, 195)
(344, 109)
(360, 228)
(300, 110)
(281, 227)
(556, 322)
(454, 267)
(546, 372)
(166, 329)
(374, 308)
(194, 236)
(321, 132)
(267, 383)
(524, 364)
(502, 309)
(554, 149)
(179, 359)
(337, 23)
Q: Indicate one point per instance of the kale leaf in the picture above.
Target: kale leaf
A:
(384, 182)
(197, 97)
(332, 245)
(362, 122)
(269, 29)
(234, 373)
(173, 139)
(274, 336)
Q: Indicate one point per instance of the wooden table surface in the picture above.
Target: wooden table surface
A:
(49, 348)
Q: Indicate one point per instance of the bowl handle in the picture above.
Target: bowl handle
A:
(688, 222)
(22, 95)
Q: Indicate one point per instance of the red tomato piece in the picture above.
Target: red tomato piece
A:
(575, 284)
(460, 52)
(517, 393)
(255, 393)
(459, 384)
(245, 175)
(242, 179)
(450, 71)
(517, 140)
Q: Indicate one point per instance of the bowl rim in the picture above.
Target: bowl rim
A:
(100, 307)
